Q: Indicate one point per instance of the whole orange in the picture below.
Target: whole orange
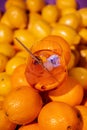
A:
(6, 34)
(18, 77)
(58, 116)
(23, 105)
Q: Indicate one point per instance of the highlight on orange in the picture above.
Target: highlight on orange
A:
(59, 116)
(70, 92)
(53, 52)
(18, 78)
(23, 105)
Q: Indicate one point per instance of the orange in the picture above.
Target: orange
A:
(68, 10)
(83, 34)
(3, 62)
(5, 84)
(7, 49)
(33, 126)
(23, 105)
(13, 63)
(66, 32)
(50, 13)
(18, 77)
(33, 17)
(83, 59)
(58, 116)
(77, 55)
(35, 5)
(80, 74)
(75, 58)
(40, 29)
(23, 54)
(72, 61)
(6, 34)
(73, 20)
(25, 36)
(5, 124)
(17, 17)
(19, 3)
(83, 111)
(83, 13)
(4, 20)
(62, 4)
(68, 89)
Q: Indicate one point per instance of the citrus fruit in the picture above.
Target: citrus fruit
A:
(68, 89)
(83, 34)
(40, 29)
(83, 13)
(13, 63)
(58, 115)
(61, 4)
(80, 74)
(18, 3)
(72, 61)
(83, 110)
(23, 105)
(50, 13)
(66, 32)
(6, 34)
(5, 124)
(33, 17)
(25, 37)
(4, 20)
(7, 49)
(17, 17)
(68, 10)
(18, 77)
(33, 126)
(5, 84)
(73, 20)
(35, 5)
(23, 54)
(3, 62)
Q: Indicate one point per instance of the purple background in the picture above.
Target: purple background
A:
(81, 3)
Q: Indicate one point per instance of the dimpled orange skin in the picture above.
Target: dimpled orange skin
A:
(58, 116)
(23, 105)
(6, 34)
(53, 45)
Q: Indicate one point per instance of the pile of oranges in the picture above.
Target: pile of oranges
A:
(34, 103)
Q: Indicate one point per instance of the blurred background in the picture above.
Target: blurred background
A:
(81, 3)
